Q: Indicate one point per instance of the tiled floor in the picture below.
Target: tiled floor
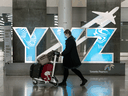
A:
(96, 86)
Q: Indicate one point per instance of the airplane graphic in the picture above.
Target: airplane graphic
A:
(103, 19)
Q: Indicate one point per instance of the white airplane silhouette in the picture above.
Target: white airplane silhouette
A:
(103, 19)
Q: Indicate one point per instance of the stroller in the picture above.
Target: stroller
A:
(43, 71)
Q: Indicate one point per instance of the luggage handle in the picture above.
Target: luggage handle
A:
(56, 53)
(54, 65)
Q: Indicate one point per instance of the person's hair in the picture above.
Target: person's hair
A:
(67, 31)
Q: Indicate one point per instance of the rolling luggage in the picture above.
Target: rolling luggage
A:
(46, 58)
(35, 70)
(46, 72)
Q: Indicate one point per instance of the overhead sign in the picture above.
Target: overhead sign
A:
(95, 54)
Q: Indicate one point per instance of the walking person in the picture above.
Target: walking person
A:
(71, 59)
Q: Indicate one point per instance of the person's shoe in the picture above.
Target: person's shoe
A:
(62, 84)
(83, 82)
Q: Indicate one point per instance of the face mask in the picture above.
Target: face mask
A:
(65, 37)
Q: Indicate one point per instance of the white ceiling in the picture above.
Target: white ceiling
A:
(124, 3)
(54, 3)
(5, 3)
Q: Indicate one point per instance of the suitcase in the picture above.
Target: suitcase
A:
(43, 59)
(52, 54)
(35, 70)
(47, 72)
(46, 58)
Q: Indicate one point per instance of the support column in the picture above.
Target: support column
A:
(65, 14)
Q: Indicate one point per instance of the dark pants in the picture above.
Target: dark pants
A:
(76, 71)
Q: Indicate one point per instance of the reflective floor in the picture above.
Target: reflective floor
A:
(96, 86)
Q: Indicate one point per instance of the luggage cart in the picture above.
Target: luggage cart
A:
(47, 72)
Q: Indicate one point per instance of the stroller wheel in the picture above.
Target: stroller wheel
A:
(55, 84)
(56, 79)
(35, 88)
(34, 82)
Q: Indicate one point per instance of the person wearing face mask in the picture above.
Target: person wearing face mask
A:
(71, 59)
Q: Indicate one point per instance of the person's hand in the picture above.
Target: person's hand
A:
(61, 54)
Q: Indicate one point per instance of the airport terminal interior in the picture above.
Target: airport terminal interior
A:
(106, 83)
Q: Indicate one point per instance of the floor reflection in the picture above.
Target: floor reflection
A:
(57, 91)
(96, 86)
(51, 91)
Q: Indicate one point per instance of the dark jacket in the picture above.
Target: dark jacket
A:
(71, 59)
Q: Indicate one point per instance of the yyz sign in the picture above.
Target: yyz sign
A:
(94, 55)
